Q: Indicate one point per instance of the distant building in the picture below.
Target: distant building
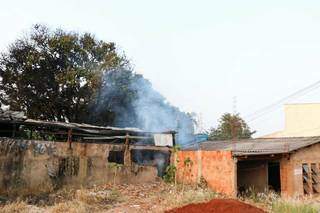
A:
(301, 120)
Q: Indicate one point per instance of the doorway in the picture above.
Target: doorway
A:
(274, 176)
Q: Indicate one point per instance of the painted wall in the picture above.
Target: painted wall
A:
(301, 120)
(217, 168)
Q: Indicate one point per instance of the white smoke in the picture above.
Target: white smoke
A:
(136, 104)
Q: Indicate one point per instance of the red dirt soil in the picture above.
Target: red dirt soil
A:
(218, 206)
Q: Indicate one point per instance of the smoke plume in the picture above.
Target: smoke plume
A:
(131, 101)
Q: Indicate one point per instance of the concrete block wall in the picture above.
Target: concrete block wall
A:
(31, 167)
(218, 169)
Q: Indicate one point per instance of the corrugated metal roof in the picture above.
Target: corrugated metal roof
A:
(20, 118)
(258, 146)
(12, 115)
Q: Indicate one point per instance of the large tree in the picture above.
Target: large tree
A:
(66, 76)
(231, 127)
(54, 75)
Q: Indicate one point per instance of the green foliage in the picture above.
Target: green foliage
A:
(188, 162)
(276, 204)
(176, 148)
(292, 207)
(30, 134)
(72, 77)
(54, 75)
(171, 170)
(115, 166)
(231, 127)
(170, 174)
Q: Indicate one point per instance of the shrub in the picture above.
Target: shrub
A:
(170, 174)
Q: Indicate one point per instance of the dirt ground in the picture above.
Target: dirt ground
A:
(218, 206)
(141, 198)
(125, 198)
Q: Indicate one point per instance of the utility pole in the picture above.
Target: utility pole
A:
(234, 105)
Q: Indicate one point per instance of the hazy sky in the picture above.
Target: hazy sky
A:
(198, 54)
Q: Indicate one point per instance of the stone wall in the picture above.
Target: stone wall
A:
(29, 167)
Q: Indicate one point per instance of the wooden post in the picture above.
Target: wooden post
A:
(127, 154)
(69, 138)
(14, 130)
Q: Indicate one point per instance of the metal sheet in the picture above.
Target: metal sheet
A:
(163, 139)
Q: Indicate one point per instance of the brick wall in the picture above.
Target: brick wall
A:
(291, 169)
(187, 173)
(216, 167)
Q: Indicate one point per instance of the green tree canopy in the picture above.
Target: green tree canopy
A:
(66, 76)
(231, 126)
(54, 75)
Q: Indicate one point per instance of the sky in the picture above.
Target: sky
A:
(207, 57)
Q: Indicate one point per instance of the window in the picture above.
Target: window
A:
(306, 179)
(311, 178)
(116, 157)
(68, 166)
(315, 178)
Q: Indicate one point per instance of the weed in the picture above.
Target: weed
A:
(170, 174)
(73, 206)
(282, 206)
(18, 206)
(115, 167)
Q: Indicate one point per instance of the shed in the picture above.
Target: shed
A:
(38, 156)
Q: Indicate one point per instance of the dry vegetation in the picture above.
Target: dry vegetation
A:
(272, 202)
(66, 200)
(151, 197)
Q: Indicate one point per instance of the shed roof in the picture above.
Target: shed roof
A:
(12, 115)
(258, 146)
(16, 117)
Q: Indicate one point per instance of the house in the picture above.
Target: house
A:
(301, 120)
(289, 166)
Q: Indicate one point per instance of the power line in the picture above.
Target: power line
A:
(279, 102)
(234, 104)
(265, 110)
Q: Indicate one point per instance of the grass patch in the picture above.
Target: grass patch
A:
(179, 197)
(73, 206)
(18, 206)
(103, 197)
(272, 202)
(283, 206)
(65, 200)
